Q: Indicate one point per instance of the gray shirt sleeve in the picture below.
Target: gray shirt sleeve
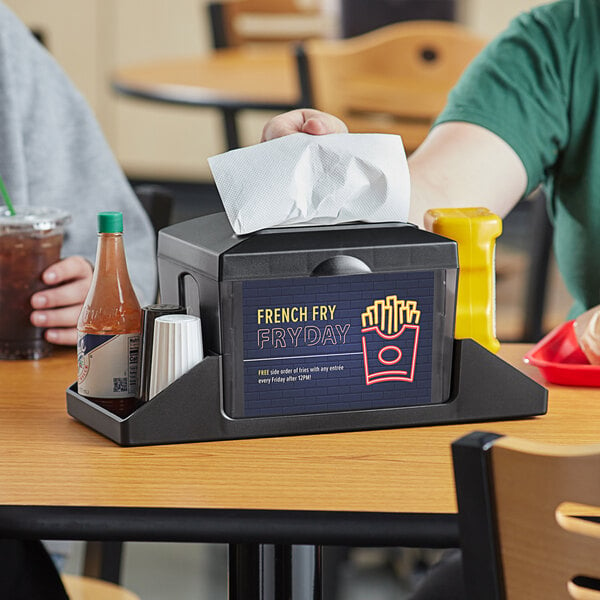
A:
(53, 153)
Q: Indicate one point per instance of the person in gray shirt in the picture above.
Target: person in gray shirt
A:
(53, 153)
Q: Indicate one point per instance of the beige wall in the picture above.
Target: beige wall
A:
(151, 140)
(489, 17)
(91, 38)
(72, 40)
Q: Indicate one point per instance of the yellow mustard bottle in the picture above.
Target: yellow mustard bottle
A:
(475, 230)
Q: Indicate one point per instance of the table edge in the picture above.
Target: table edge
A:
(345, 528)
(163, 95)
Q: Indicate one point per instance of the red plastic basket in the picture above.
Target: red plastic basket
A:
(560, 359)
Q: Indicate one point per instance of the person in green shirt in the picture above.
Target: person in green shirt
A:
(526, 112)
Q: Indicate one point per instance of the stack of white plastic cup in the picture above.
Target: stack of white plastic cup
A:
(176, 348)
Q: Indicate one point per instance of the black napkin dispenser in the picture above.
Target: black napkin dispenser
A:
(321, 319)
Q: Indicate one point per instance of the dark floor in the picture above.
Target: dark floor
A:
(181, 571)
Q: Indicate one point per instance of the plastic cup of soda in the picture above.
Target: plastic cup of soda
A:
(30, 241)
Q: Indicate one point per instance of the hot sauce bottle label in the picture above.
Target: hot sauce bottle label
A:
(107, 365)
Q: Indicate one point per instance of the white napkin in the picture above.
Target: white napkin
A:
(303, 179)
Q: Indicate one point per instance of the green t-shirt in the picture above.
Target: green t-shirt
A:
(537, 86)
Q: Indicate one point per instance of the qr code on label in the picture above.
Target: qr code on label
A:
(119, 384)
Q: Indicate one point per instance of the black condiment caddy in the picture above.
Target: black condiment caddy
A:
(305, 300)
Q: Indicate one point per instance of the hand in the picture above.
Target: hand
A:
(57, 308)
(302, 120)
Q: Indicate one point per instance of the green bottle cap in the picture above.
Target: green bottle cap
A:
(110, 222)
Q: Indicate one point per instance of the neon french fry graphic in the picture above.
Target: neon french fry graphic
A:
(390, 340)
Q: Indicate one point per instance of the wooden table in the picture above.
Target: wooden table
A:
(59, 479)
(228, 79)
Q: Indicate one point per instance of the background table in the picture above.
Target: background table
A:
(59, 479)
(233, 79)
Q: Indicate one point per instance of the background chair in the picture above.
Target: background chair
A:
(536, 286)
(237, 22)
(158, 202)
(392, 80)
(518, 537)
(355, 20)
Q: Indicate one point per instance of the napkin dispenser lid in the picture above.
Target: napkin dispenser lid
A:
(239, 284)
(209, 245)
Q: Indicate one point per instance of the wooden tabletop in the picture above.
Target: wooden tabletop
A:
(249, 77)
(49, 459)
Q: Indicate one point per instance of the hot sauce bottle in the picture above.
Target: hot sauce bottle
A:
(108, 330)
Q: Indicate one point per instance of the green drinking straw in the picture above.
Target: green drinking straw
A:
(7, 201)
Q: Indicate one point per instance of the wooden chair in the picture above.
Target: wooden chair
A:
(516, 499)
(237, 22)
(88, 588)
(355, 20)
(391, 80)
